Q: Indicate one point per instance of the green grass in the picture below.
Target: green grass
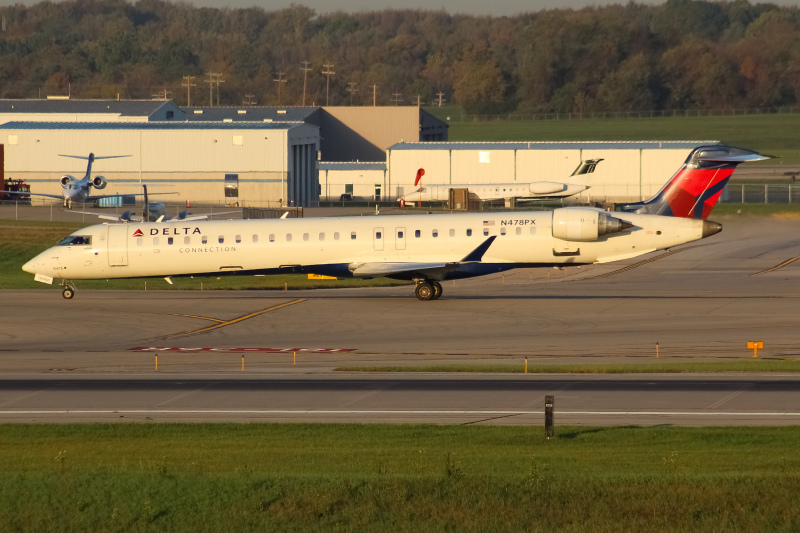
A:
(748, 365)
(22, 240)
(257, 477)
(777, 135)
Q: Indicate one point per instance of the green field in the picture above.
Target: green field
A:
(274, 477)
(653, 367)
(769, 134)
(22, 240)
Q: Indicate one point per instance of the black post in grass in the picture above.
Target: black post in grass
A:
(549, 427)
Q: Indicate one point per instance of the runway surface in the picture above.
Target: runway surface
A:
(94, 356)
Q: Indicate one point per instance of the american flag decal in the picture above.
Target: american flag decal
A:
(488, 222)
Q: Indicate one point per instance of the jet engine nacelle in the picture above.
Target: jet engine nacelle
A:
(99, 182)
(583, 225)
(66, 179)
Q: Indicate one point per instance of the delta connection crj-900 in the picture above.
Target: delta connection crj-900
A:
(424, 248)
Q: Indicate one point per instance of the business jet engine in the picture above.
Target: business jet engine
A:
(99, 182)
(66, 179)
(584, 225)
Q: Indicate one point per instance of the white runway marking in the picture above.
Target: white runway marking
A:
(381, 412)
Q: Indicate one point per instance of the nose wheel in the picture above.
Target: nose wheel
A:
(69, 289)
(428, 290)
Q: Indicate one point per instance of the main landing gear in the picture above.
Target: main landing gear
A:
(69, 289)
(427, 289)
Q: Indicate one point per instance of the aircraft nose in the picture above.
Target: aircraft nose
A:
(31, 265)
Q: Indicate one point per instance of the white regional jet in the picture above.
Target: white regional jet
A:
(537, 190)
(423, 248)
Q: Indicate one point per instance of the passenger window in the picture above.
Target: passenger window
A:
(336, 236)
(255, 238)
(353, 236)
(288, 237)
(502, 231)
(238, 239)
(485, 232)
(204, 239)
(399, 234)
(322, 236)
(452, 233)
(305, 236)
(155, 241)
(469, 233)
(271, 237)
(221, 239)
(187, 240)
(417, 234)
(139, 241)
(435, 233)
(377, 234)
(169, 241)
(519, 230)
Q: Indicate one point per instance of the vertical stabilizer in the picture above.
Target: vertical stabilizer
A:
(695, 189)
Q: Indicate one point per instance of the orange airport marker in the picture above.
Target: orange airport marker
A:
(755, 346)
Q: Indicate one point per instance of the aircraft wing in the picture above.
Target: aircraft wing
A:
(203, 216)
(98, 196)
(127, 216)
(430, 270)
(59, 196)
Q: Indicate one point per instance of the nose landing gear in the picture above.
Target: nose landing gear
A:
(69, 289)
(427, 289)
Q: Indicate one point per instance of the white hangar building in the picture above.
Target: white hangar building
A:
(630, 171)
(258, 164)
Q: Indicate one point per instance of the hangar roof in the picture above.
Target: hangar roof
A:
(237, 114)
(121, 107)
(151, 125)
(558, 145)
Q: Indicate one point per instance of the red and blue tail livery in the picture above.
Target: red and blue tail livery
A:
(696, 187)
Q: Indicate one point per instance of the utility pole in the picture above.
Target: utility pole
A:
(374, 87)
(440, 94)
(351, 88)
(249, 99)
(279, 81)
(305, 70)
(214, 78)
(327, 72)
(161, 95)
(397, 98)
(418, 97)
(188, 82)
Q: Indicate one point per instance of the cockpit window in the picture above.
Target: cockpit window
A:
(76, 240)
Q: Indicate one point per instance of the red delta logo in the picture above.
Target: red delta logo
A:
(138, 233)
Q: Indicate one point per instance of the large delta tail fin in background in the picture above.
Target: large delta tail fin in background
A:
(695, 188)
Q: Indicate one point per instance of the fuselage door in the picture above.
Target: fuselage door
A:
(400, 238)
(118, 244)
(377, 239)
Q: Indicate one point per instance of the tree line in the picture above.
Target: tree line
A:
(682, 54)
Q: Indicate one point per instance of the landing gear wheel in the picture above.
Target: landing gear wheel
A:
(424, 291)
(437, 290)
(68, 293)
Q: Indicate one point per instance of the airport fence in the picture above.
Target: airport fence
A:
(654, 113)
(752, 193)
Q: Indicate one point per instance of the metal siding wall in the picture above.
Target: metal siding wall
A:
(546, 165)
(467, 167)
(658, 166)
(616, 177)
(363, 181)
(402, 166)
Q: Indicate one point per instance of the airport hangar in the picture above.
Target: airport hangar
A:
(170, 145)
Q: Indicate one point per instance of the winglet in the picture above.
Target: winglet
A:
(476, 255)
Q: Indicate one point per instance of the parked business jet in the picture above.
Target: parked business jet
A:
(75, 190)
(153, 212)
(537, 190)
(424, 248)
